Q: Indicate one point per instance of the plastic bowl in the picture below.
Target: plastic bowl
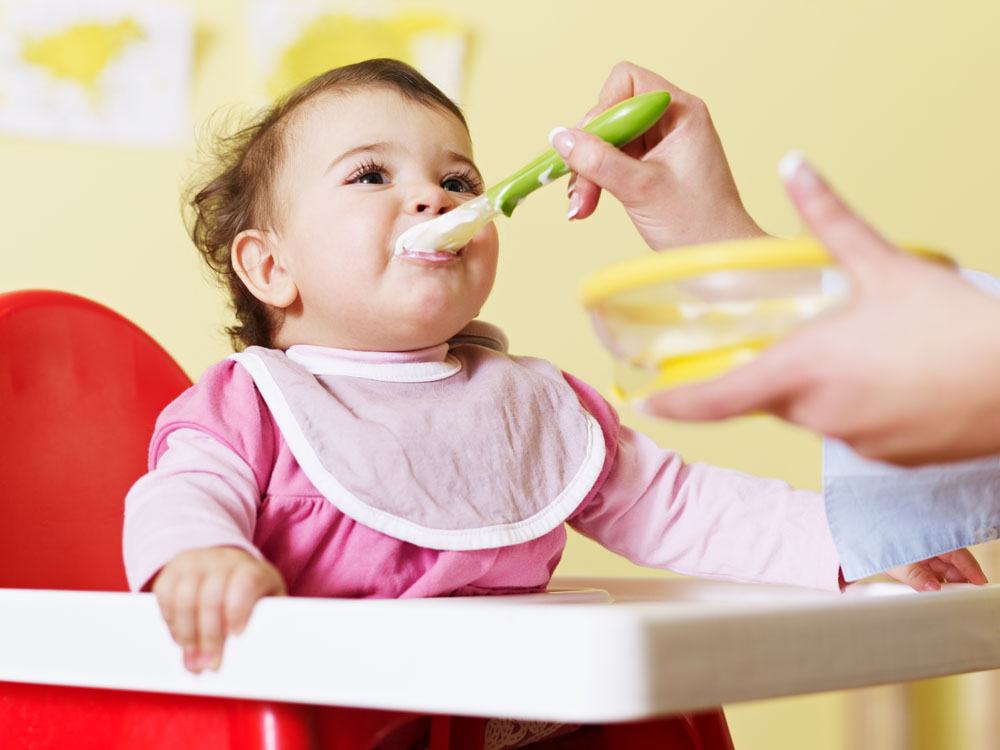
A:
(692, 313)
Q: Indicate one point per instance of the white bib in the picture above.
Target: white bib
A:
(476, 451)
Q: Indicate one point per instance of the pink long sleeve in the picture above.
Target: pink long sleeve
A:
(710, 522)
(201, 494)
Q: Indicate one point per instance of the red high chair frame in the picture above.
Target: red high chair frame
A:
(80, 390)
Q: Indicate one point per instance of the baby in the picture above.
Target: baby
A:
(370, 438)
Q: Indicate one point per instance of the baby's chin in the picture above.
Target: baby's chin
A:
(442, 304)
(422, 332)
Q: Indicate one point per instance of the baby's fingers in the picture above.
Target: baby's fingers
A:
(211, 628)
(247, 584)
(179, 604)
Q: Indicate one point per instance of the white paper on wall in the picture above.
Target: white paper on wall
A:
(95, 71)
(292, 42)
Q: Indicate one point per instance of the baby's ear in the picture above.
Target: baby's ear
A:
(262, 269)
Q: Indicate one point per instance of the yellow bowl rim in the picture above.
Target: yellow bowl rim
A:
(746, 254)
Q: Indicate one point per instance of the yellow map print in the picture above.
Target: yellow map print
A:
(332, 40)
(82, 52)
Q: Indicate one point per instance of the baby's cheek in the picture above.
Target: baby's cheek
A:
(488, 252)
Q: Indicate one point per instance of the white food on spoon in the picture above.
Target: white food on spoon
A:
(449, 232)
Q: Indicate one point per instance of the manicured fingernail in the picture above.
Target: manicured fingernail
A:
(642, 406)
(191, 662)
(572, 186)
(574, 206)
(793, 168)
(790, 164)
(562, 141)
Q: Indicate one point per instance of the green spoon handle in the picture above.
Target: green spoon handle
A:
(618, 125)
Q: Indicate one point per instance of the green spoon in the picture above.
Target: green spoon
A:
(452, 231)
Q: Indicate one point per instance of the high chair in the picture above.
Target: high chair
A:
(80, 389)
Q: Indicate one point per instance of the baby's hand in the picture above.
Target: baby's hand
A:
(207, 594)
(957, 567)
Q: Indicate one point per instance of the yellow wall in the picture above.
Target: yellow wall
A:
(895, 100)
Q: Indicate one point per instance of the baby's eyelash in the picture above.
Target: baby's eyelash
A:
(470, 178)
(368, 167)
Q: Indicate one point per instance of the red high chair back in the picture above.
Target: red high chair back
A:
(80, 389)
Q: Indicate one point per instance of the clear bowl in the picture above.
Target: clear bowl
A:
(683, 315)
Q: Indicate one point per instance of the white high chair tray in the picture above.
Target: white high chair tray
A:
(594, 650)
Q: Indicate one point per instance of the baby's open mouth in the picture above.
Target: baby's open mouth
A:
(432, 256)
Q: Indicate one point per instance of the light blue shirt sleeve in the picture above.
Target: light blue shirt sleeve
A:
(882, 516)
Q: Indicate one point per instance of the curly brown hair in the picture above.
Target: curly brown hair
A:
(238, 192)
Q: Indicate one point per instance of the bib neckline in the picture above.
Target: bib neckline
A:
(417, 366)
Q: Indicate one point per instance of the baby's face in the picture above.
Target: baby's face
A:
(361, 168)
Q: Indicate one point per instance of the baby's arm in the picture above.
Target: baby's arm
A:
(712, 522)
(188, 530)
(707, 521)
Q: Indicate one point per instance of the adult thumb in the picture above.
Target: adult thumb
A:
(598, 161)
(850, 239)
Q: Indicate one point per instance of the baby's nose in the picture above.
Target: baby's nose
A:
(431, 200)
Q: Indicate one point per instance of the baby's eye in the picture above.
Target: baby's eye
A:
(369, 173)
(462, 183)
(456, 185)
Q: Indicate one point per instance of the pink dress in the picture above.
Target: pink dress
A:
(446, 471)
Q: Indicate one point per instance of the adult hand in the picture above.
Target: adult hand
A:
(674, 181)
(958, 566)
(208, 594)
(908, 371)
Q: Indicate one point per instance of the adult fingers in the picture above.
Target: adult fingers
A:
(584, 196)
(855, 245)
(944, 571)
(917, 576)
(961, 566)
(628, 80)
(764, 384)
(950, 573)
(592, 113)
(584, 193)
(625, 81)
(596, 160)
